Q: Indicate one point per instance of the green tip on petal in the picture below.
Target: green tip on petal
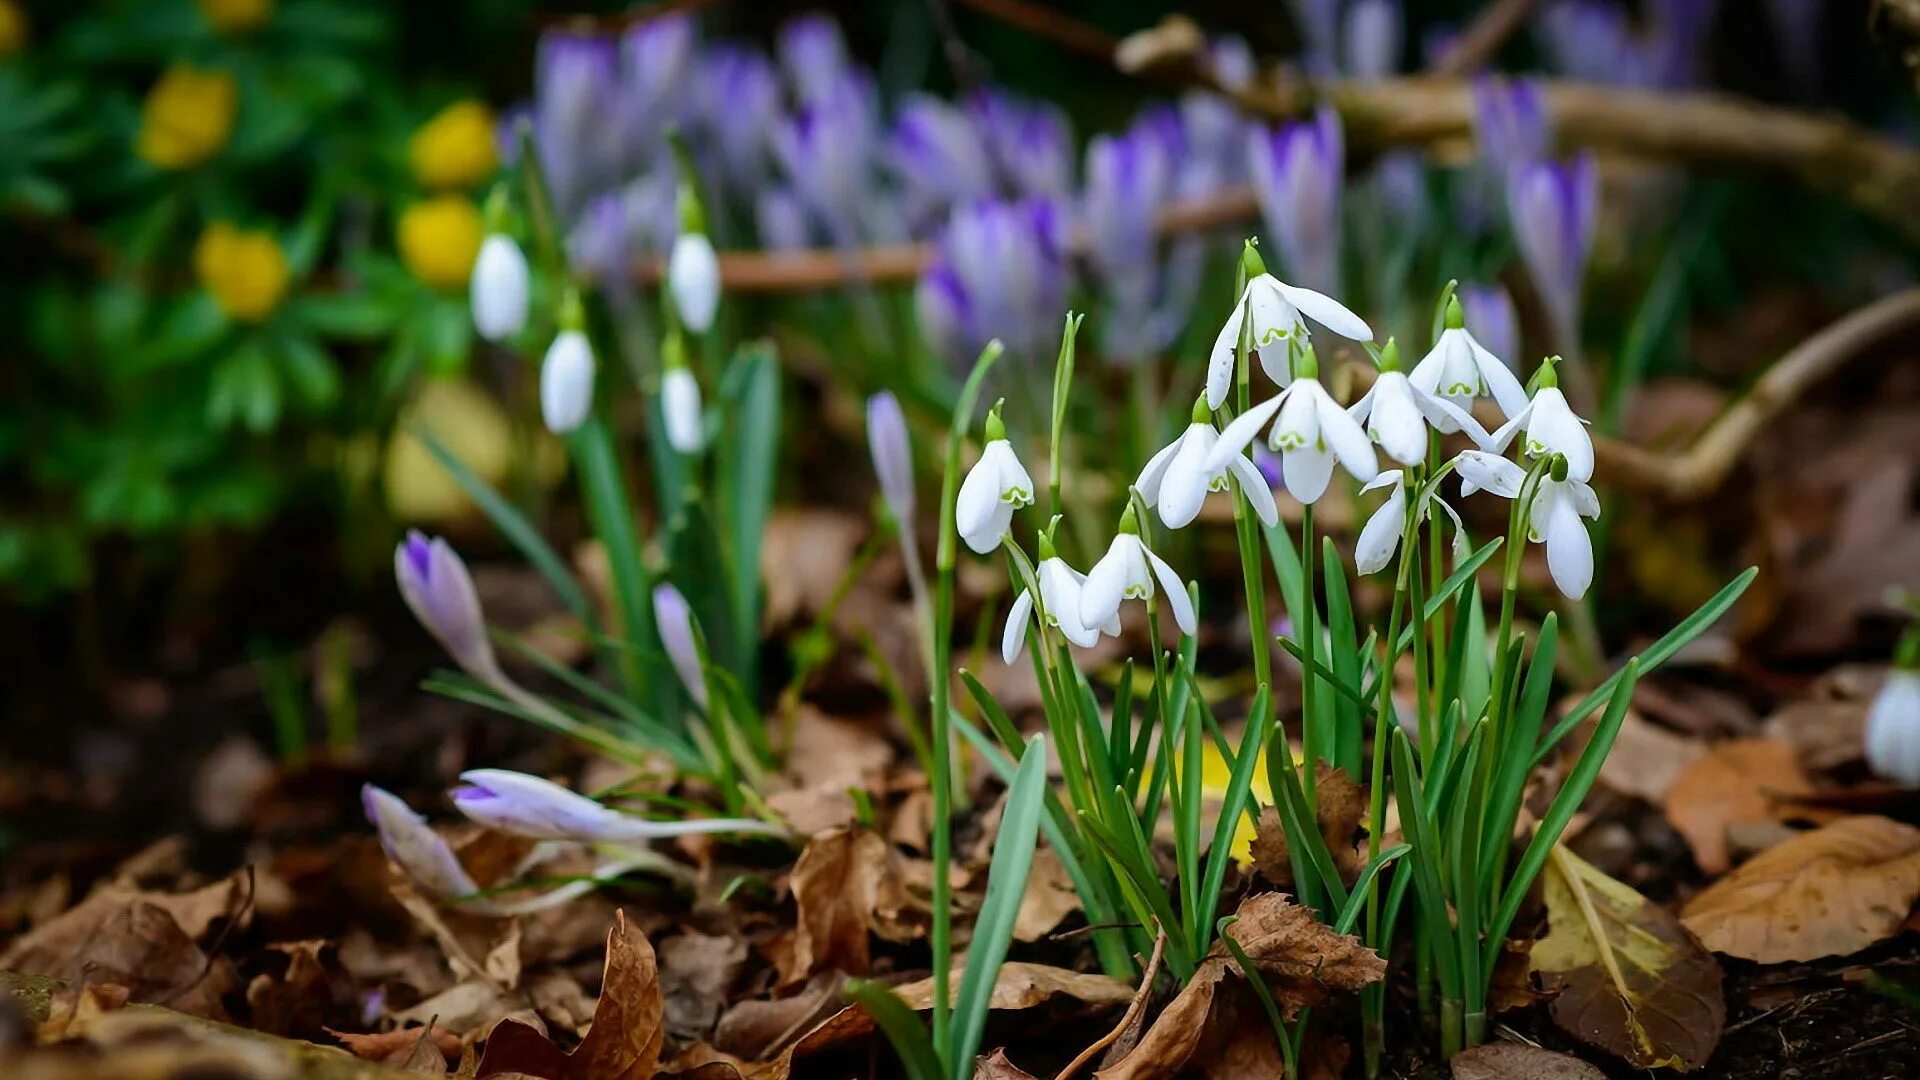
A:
(1306, 365)
(1201, 414)
(1045, 547)
(1456, 316)
(1390, 356)
(1546, 375)
(996, 429)
(1129, 523)
(1250, 259)
(1557, 468)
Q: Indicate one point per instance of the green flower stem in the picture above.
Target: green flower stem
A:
(1310, 643)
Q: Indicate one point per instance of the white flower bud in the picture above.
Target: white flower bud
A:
(498, 291)
(680, 406)
(693, 277)
(566, 382)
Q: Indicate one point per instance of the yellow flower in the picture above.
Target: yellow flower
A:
(13, 28)
(439, 239)
(456, 148)
(244, 269)
(236, 16)
(188, 116)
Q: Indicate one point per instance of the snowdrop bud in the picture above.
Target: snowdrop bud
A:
(693, 276)
(414, 847)
(1390, 356)
(1893, 729)
(566, 382)
(438, 589)
(499, 287)
(673, 619)
(524, 805)
(1250, 260)
(681, 409)
(1456, 316)
(892, 450)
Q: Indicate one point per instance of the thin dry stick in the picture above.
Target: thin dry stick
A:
(1480, 42)
(1134, 1009)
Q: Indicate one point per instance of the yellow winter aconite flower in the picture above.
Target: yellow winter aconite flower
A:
(13, 28)
(188, 116)
(439, 239)
(244, 269)
(236, 16)
(456, 148)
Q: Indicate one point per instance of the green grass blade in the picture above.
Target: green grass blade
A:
(610, 510)
(748, 463)
(902, 1027)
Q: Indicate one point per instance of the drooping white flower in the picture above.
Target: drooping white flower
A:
(1276, 309)
(566, 382)
(995, 487)
(1458, 369)
(1893, 728)
(693, 277)
(1127, 572)
(1380, 536)
(1176, 480)
(1312, 432)
(1060, 586)
(1550, 425)
(1396, 412)
(498, 289)
(1552, 519)
(680, 408)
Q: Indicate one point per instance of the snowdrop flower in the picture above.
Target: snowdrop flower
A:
(1380, 536)
(995, 487)
(680, 408)
(1550, 425)
(693, 277)
(524, 805)
(1559, 502)
(1060, 587)
(439, 590)
(1458, 368)
(1176, 480)
(1312, 433)
(673, 618)
(566, 382)
(1397, 410)
(1893, 728)
(1275, 308)
(414, 847)
(1127, 572)
(498, 289)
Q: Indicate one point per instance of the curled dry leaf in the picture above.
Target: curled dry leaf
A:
(401, 1045)
(836, 883)
(995, 1066)
(1630, 978)
(1737, 782)
(1340, 806)
(1518, 1061)
(1646, 759)
(696, 971)
(627, 1035)
(1024, 986)
(1829, 892)
(1050, 897)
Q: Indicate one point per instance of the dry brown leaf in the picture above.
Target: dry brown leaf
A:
(1829, 892)
(1050, 897)
(995, 1066)
(1646, 759)
(1251, 1053)
(1023, 986)
(146, 1041)
(835, 885)
(384, 1046)
(834, 754)
(1874, 542)
(1192, 1023)
(47, 947)
(1628, 977)
(803, 555)
(1826, 733)
(753, 1029)
(696, 971)
(1735, 783)
(1340, 807)
(627, 1035)
(1518, 1061)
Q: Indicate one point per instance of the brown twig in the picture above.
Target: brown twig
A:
(1134, 1009)
(1055, 26)
(1481, 41)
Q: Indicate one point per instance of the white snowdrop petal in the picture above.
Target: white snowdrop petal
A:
(1014, 637)
(1346, 439)
(1447, 417)
(680, 406)
(1479, 469)
(1307, 472)
(1175, 591)
(1893, 729)
(977, 503)
(1501, 383)
(566, 382)
(1396, 422)
(1584, 499)
(1326, 311)
(1101, 593)
(1245, 428)
(1149, 479)
(1380, 536)
(693, 277)
(1220, 361)
(1569, 550)
(1012, 484)
(499, 288)
(1555, 427)
(1185, 487)
(1257, 491)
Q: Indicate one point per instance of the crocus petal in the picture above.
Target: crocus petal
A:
(1220, 361)
(1308, 470)
(1346, 439)
(1479, 469)
(1014, 637)
(1255, 486)
(1244, 429)
(1396, 422)
(1380, 536)
(1569, 550)
(673, 618)
(1106, 583)
(414, 846)
(1326, 311)
(1175, 591)
(1149, 479)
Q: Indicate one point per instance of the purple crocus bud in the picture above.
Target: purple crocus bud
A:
(1551, 207)
(892, 449)
(1215, 128)
(1318, 23)
(998, 270)
(827, 149)
(524, 805)
(813, 54)
(1375, 34)
(1593, 41)
(576, 77)
(414, 847)
(1029, 141)
(736, 96)
(1129, 177)
(674, 618)
(1271, 465)
(1297, 171)
(599, 246)
(437, 587)
(1492, 320)
(1509, 123)
(781, 220)
(936, 154)
(653, 58)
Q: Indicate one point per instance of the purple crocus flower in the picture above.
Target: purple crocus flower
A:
(1216, 129)
(827, 150)
(439, 590)
(674, 618)
(524, 805)
(575, 82)
(1592, 41)
(736, 96)
(781, 220)
(1492, 320)
(1029, 141)
(1318, 23)
(892, 450)
(999, 271)
(937, 156)
(414, 847)
(813, 55)
(654, 57)
(1551, 206)
(1129, 177)
(1375, 34)
(1297, 171)
(1510, 125)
